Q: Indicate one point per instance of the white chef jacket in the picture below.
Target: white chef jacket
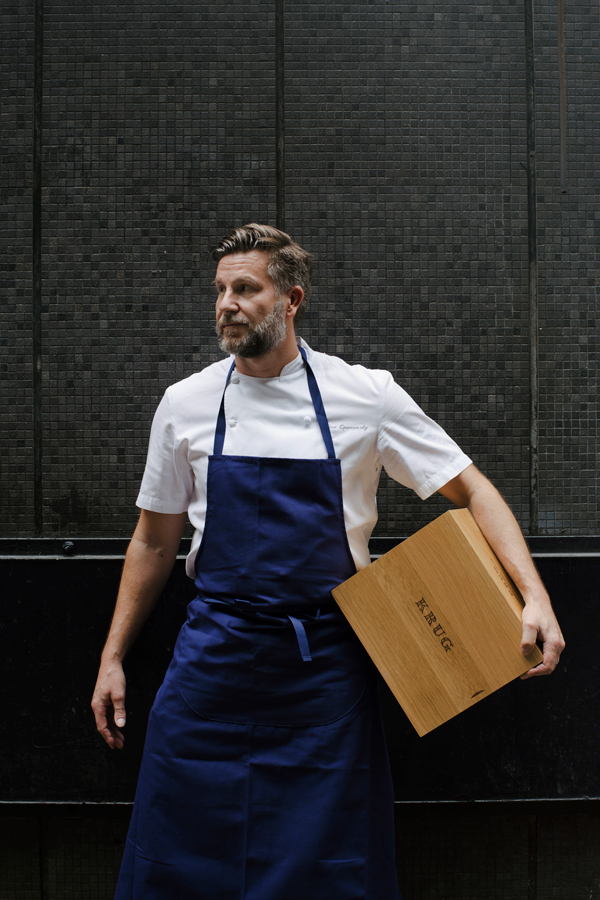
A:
(373, 422)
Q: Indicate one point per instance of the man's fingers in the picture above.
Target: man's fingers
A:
(109, 713)
(119, 714)
(107, 728)
(112, 738)
(103, 723)
(552, 649)
(528, 638)
(118, 705)
(539, 623)
(542, 669)
(117, 739)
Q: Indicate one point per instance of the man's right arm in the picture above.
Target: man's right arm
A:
(148, 563)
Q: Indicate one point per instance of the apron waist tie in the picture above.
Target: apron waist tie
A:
(302, 639)
(246, 607)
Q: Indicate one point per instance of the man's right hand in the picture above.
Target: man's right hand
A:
(148, 562)
(108, 704)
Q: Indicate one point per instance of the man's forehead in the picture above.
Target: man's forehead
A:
(253, 264)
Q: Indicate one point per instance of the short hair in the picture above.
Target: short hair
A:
(289, 264)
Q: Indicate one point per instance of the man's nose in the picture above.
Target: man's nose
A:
(227, 301)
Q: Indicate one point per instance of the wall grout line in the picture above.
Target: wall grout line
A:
(38, 512)
(533, 271)
(562, 96)
(280, 113)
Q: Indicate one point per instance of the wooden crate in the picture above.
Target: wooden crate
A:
(440, 618)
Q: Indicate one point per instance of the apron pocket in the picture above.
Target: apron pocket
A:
(250, 671)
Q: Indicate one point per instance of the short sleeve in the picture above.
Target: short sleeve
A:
(414, 449)
(168, 480)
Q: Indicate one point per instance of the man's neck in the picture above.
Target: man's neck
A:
(271, 364)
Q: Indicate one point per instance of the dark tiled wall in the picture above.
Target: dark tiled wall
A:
(470, 856)
(405, 155)
(158, 134)
(16, 147)
(569, 233)
(404, 140)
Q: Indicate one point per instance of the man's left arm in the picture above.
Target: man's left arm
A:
(471, 489)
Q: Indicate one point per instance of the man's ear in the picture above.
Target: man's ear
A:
(296, 295)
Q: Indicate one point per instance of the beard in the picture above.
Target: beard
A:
(259, 339)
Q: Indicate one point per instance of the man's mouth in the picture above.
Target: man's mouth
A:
(235, 323)
(226, 321)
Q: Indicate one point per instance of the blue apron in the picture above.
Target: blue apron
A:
(265, 773)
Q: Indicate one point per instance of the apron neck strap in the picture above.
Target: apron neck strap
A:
(220, 429)
(315, 395)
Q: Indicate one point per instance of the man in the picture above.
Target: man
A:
(265, 774)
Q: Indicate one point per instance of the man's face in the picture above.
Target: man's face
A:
(251, 318)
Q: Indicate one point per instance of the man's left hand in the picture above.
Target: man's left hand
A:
(471, 489)
(539, 624)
